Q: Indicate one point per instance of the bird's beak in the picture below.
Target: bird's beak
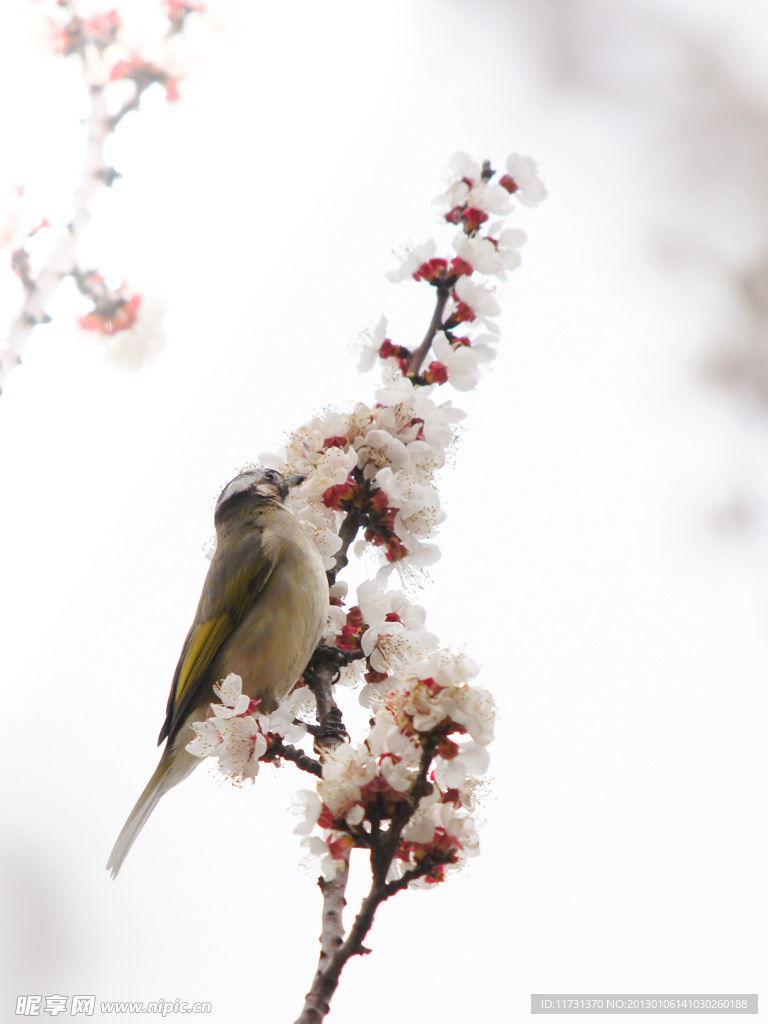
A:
(295, 480)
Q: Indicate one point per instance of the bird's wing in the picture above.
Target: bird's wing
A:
(227, 597)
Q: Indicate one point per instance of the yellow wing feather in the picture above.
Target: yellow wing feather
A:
(227, 598)
(206, 639)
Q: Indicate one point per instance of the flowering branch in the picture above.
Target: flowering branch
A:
(406, 794)
(97, 43)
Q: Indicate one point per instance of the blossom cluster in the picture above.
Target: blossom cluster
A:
(417, 767)
(411, 768)
(378, 463)
(481, 249)
(239, 735)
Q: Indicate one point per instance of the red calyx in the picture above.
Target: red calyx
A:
(432, 271)
(435, 373)
(387, 351)
(349, 638)
(340, 494)
(460, 266)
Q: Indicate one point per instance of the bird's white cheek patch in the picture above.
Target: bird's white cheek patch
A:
(269, 491)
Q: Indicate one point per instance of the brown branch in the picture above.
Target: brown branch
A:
(352, 523)
(320, 675)
(290, 753)
(318, 1000)
(326, 980)
(420, 354)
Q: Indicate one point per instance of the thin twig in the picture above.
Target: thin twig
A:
(420, 354)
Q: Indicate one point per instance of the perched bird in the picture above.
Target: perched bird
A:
(261, 614)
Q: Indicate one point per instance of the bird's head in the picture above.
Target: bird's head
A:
(254, 487)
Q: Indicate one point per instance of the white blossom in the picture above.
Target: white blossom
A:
(346, 769)
(390, 644)
(479, 300)
(495, 253)
(337, 620)
(464, 173)
(416, 257)
(469, 189)
(320, 523)
(472, 759)
(207, 738)
(370, 350)
(396, 632)
(461, 363)
(318, 851)
(483, 347)
(283, 719)
(231, 735)
(378, 448)
(530, 187)
(488, 197)
(438, 427)
(407, 410)
(399, 756)
(307, 805)
(419, 512)
(242, 745)
(436, 690)
(376, 603)
(329, 468)
(233, 700)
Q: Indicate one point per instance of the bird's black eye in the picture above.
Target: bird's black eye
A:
(272, 475)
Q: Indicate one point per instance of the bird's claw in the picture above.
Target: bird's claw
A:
(330, 732)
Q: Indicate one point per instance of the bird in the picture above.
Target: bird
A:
(261, 614)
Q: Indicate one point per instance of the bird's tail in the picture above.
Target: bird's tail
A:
(173, 767)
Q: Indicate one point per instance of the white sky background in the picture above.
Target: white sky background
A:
(623, 636)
